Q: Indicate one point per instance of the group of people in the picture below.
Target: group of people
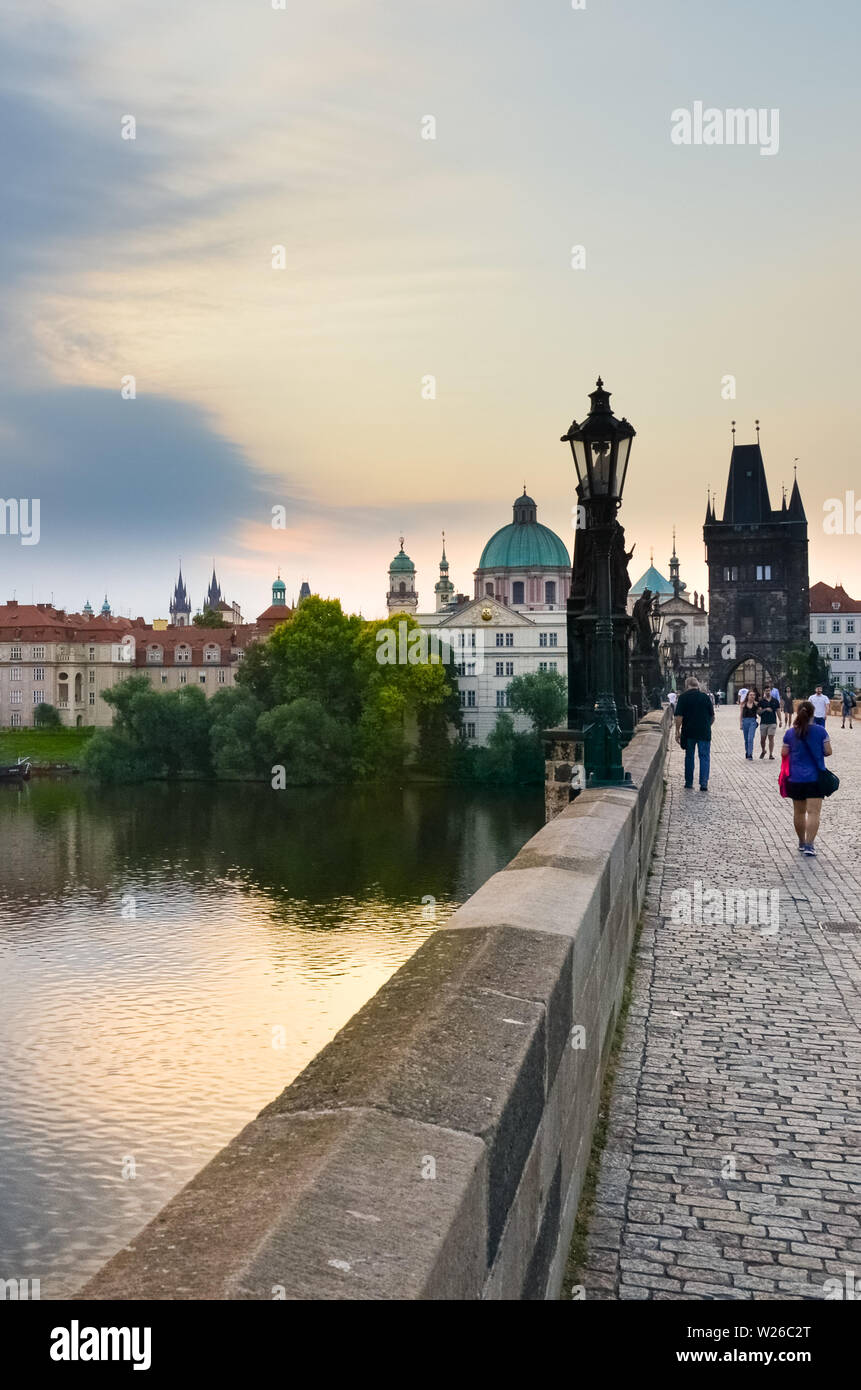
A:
(805, 744)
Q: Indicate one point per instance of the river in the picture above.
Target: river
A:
(171, 956)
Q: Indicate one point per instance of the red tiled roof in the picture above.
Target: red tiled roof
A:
(823, 597)
(275, 613)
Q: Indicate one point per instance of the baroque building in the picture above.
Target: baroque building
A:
(684, 636)
(759, 604)
(402, 596)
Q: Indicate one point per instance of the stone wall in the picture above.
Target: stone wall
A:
(437, 1147)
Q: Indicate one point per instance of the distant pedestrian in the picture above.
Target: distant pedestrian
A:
(742, 695)
(769, 708)
(748, 721)
(805, 748)
(849, 703)
(694, 716)
(788, 706)
(821, 705)
(672, 698)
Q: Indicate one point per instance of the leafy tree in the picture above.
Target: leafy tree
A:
(313, 656)
(805, 669)
(409, 698)
(209, 618)
(541, 695)
(310, 744)
(45, 716)
(233, 718)
(256, 673)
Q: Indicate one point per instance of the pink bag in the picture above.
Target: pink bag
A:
(783, 776)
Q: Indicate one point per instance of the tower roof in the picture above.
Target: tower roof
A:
(524, 543)
(402, 562)
(654, 581)
(747, 501)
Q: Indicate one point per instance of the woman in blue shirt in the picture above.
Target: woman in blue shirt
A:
(805, 747)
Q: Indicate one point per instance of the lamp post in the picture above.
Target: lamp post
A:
(656, 622)
(600, 447)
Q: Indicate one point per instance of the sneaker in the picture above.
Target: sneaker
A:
(762, 754)
(771, 757)
(810, 851)
(704, 789)
(689, 786)
(801, 847)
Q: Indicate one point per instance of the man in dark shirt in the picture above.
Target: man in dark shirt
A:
(694, 716)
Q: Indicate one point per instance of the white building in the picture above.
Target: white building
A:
(835, 628)
(685, 633)
(515, 624)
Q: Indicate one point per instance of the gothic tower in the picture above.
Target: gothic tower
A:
(180, 604)
(212, 598)
(443, 588)
(759, 604)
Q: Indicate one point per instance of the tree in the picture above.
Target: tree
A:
(311, 745)
(313, 656)
(233, 716)
(45, 716)
(209, 618)
(541, 696)
(806, 668)
(408, 695)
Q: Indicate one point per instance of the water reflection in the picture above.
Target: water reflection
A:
(171, 956)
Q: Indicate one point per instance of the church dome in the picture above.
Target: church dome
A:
(654, 581)
(402, 563)
(524, 543)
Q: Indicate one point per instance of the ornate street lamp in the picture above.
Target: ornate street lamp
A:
(601, 447)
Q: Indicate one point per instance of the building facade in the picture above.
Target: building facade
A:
(685, 636)
(759, 604)
(835, 628)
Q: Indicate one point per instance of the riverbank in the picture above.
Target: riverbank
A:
(45, 747)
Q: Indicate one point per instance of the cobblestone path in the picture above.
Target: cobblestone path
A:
(733, 1162)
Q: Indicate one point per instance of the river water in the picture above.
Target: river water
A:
(171, 956)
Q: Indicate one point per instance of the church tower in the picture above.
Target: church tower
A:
(759, 604)
(212, 598)
(180, 604)
(402, 596)
(443, 588)
(279, 592)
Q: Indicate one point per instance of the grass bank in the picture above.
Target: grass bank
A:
(44, 746)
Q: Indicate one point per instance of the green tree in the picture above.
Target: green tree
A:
(541, 696)
(209, 618)
(313, 656)
(45, 716)
(311, 745)
(806, 668)
(409, 699)
(233, 716)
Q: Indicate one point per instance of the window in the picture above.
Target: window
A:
(15, 673)
(15, 697)
(183, 678)
(763, 571)
(554, 639)
(15, 654)
(470, 699)
(154, 655)
(552, 665)
(821, 625)
(488, 589)
(509, 639)
(470, 730)
(92, 656)
(38, 673)
(500, 639)
(542, 665)
(850, 652)
(835, 624)
(92, 678)
(542, 639)
(15, 721)
(730, 574)
(835, 652)
(222, 677)
(850, 624)
(212, 654)
(38, 653)
(182, 653)
(517, 591)
(38, 697)
(509, 668)
(500, 668)
(92, 697)
(550, 591)
(164, 677)
(502, 699)
(202, 678)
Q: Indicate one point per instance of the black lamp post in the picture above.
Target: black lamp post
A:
(656, 622)
(600, 446)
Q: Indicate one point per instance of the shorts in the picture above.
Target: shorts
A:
(768, 729)
(817, 720)
(803, 791)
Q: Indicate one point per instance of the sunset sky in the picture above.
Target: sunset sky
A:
(406, 258)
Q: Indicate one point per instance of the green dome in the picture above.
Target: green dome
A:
(402, 563)
(654, 581)
(279, 586)
(524, 545)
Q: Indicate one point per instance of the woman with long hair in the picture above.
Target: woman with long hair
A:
(805, 747)
(748, 720)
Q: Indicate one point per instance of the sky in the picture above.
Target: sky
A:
(304, 388)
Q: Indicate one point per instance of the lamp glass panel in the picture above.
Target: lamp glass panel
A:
(602, 466)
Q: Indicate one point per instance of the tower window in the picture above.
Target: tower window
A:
(730, 574)
(550, 591)
(517, 591)
(763, 571)
(488, 589)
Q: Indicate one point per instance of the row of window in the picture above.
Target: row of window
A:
(16, 673)
(220, 678)
(822, 625)
(760, 573)
(38, 654)
(518, 590)
(182, 653)
(16, 697)
(846, 682)
(836, 653)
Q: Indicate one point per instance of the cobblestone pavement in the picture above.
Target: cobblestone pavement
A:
(733, 1161)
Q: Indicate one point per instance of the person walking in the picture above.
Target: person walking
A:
(694, 716)
(821, 705)
(742, 695)
(849, 703)
(769, 708)
(788, 706)
(671, 699)
(805, 747)
(748, 721)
